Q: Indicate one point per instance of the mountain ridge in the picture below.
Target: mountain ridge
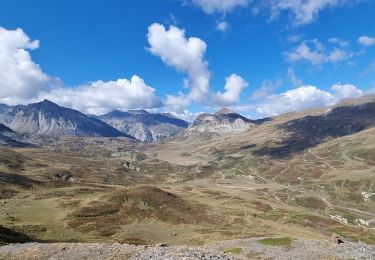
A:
(49, 119)
(144, 126)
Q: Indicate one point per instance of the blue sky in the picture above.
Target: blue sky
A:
(275, 56)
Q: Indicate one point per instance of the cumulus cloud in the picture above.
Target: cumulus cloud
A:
(219, 6)
(186, 115)
(20, 78)
(342, 91)
(306, 97)
(233, 88)
(316, 53)
(177, 103)
(266, 89)
(366, 40)
(302, 98)
(187, 55)
(23, 81)
(184, 54)
(100, 97)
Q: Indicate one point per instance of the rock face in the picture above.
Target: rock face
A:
(47, 118)
(144, 126)
(10, 138)
(224, 121)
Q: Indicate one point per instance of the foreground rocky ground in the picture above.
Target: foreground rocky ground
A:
(232, 249)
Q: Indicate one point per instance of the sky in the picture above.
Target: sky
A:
(258, 57)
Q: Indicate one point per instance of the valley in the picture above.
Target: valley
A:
(276, 179)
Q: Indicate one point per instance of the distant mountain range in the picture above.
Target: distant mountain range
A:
(145, 126)
(47, 118)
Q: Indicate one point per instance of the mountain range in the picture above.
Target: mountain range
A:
(49, 119)
(145, 126)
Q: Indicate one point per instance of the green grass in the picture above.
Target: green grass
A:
(235, 250)
(283, 241)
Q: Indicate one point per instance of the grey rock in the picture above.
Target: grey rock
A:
(145, 126)
(48, 119)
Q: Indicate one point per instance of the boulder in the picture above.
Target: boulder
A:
(336, 239)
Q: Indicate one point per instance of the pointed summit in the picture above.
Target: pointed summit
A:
(224, 111)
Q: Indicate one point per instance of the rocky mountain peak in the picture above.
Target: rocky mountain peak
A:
(224, 111)
(49, 119)
(143, 125)
(45, 104)
(224, 121)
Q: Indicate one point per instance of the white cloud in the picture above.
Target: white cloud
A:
(266, 89)
(298, 99)
(339, 42)
(184, 54)
(100, 97)
(186, 115)
(20, 78)
(22, 81)
(222, 26)
(366, 40)
(219, 6)
(316, 53)
(343, 91)
(177, 103)
(187, 55)
(233, 88)
(302, 11)
(306, 97)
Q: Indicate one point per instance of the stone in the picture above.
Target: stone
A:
(336, 239)
(126, 165)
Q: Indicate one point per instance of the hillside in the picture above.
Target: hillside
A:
(300, 176)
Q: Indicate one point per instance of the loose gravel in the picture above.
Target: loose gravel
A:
(242, 249)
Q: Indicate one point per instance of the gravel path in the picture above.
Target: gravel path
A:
(243, 249)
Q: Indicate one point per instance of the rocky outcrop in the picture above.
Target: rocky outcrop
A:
(224, 121)
(10, 138)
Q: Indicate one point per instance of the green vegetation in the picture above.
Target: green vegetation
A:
(235, 250)
(283, 241)
(310, 202)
